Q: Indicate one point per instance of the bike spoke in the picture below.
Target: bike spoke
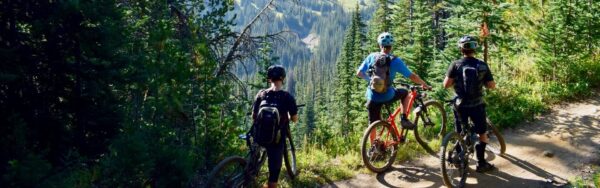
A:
(229, 173)
(431, 126)
(378, 147)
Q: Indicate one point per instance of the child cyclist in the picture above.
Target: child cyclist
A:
(274, 100)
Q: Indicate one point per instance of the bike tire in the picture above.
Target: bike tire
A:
(496, 143)
(430, 136)
(228, 173)
(450, 170)
(370, 152)
(289, 156)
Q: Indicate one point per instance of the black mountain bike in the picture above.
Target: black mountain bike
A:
(236, 171)
(455, 165)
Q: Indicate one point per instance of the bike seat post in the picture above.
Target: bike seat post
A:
(388, 109)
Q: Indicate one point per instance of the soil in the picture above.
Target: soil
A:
(555, 148)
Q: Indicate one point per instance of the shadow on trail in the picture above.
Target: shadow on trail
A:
(411, 177)
(549, 178)
(505, 178)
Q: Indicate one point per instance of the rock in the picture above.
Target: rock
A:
(548, 153)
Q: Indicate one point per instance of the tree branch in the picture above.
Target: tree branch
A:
(245, 32)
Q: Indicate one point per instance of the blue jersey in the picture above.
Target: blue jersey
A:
(396, 66)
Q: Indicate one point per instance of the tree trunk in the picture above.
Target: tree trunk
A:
(485, 51)
(410, 19)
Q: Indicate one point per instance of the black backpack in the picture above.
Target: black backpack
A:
(472, 74)
(380, 73)
(267, 126)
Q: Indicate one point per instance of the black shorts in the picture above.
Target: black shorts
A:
(374, 108)
(275, 155)
(476, 114)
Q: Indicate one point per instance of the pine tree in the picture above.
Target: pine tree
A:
(350, 58)
(566, 39)
(380, 22)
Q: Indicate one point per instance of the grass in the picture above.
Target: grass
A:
(317, 167)
(322, 164)
(587, 181)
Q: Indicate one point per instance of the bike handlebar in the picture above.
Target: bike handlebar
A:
(299, 106)
(412, 86)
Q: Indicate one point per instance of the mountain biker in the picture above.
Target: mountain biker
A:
(289, 111)
(469, 75)
(387, 93)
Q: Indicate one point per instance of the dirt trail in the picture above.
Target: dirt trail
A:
(570, 131)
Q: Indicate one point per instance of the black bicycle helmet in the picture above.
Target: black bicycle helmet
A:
(276, 72)
(467, 42)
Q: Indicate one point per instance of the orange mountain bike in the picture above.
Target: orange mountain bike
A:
(382, 139)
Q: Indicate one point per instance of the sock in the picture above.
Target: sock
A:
(404, 117)
(480, 151)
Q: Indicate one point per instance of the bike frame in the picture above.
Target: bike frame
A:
(255, 158)
(413, 95)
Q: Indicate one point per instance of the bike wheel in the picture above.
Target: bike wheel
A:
(289, 156)
(228, 173)
(496, 143)
(454, 166)
(430, 126)
(379, 146)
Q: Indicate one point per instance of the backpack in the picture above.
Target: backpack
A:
(380, 73)
(267, 127)
(472, 80)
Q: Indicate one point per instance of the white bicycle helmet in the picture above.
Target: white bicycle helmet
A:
(385, 39)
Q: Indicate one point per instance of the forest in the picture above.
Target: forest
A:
(155, 93)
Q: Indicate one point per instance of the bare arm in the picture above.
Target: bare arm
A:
(490, 85)
(416, 79)
(294, 118)
(360, 74)
(448, 82)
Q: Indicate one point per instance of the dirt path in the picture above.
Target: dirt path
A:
(571, 132)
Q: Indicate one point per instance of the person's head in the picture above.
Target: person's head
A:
(276, 73)
(385, 41)
(467, 45)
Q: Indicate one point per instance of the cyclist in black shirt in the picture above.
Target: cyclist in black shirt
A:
(289, 112)
(468, 76)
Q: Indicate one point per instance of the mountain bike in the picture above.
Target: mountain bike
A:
(454, 164)
(381, 140)
(237, 171)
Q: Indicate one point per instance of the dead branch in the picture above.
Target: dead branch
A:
(229, 58)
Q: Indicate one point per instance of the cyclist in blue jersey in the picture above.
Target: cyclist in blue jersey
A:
(380, 69)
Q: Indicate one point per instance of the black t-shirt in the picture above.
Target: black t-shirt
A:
(456, 69)
(286, 104)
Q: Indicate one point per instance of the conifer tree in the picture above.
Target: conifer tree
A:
(350, 58)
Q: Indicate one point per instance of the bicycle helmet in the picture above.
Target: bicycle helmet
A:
(276, 72)
(385, 39)
(467, 42)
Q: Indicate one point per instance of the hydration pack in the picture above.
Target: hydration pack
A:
(472, 80)
(267, 127)
(380, 73)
